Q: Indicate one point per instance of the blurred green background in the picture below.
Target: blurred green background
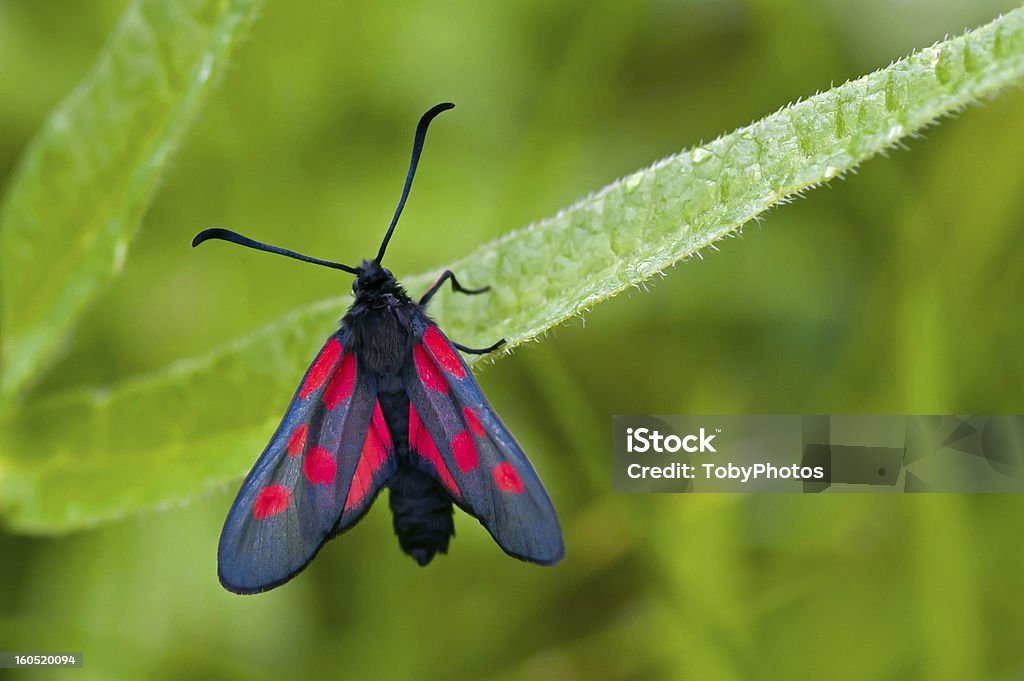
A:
(896, 290)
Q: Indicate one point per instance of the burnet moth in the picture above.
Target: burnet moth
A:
(387, 402)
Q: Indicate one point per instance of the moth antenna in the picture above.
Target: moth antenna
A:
(236, 238)
(417, 149)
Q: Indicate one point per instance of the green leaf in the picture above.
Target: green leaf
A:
(85, 181)
(82, 458)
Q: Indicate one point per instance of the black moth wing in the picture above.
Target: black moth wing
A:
(320, 472)
(456, 436)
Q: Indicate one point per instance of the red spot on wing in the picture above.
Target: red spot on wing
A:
(507, 479)
(319, 466)
(342, 382)
(473, 421)
(321, 368)
(297, 442)
(376, 447)
(271, 500)
(423, 444)
(464, 448)
(428, 371)
(444, 353)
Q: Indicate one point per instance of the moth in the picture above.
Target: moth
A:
(387, 402)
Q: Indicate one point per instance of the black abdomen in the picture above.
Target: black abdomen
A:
(422, 514)
(422, 509)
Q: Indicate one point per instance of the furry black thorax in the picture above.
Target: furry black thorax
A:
(380, 319)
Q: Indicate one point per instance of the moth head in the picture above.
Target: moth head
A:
(371, 275)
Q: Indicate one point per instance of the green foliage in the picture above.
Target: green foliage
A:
(197, 424)
(894, 291)
(86, 180)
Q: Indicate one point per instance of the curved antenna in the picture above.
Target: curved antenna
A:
(417, 149)
(236, 238)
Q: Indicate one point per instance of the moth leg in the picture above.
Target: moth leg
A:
(479, 351)
(456, 286)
